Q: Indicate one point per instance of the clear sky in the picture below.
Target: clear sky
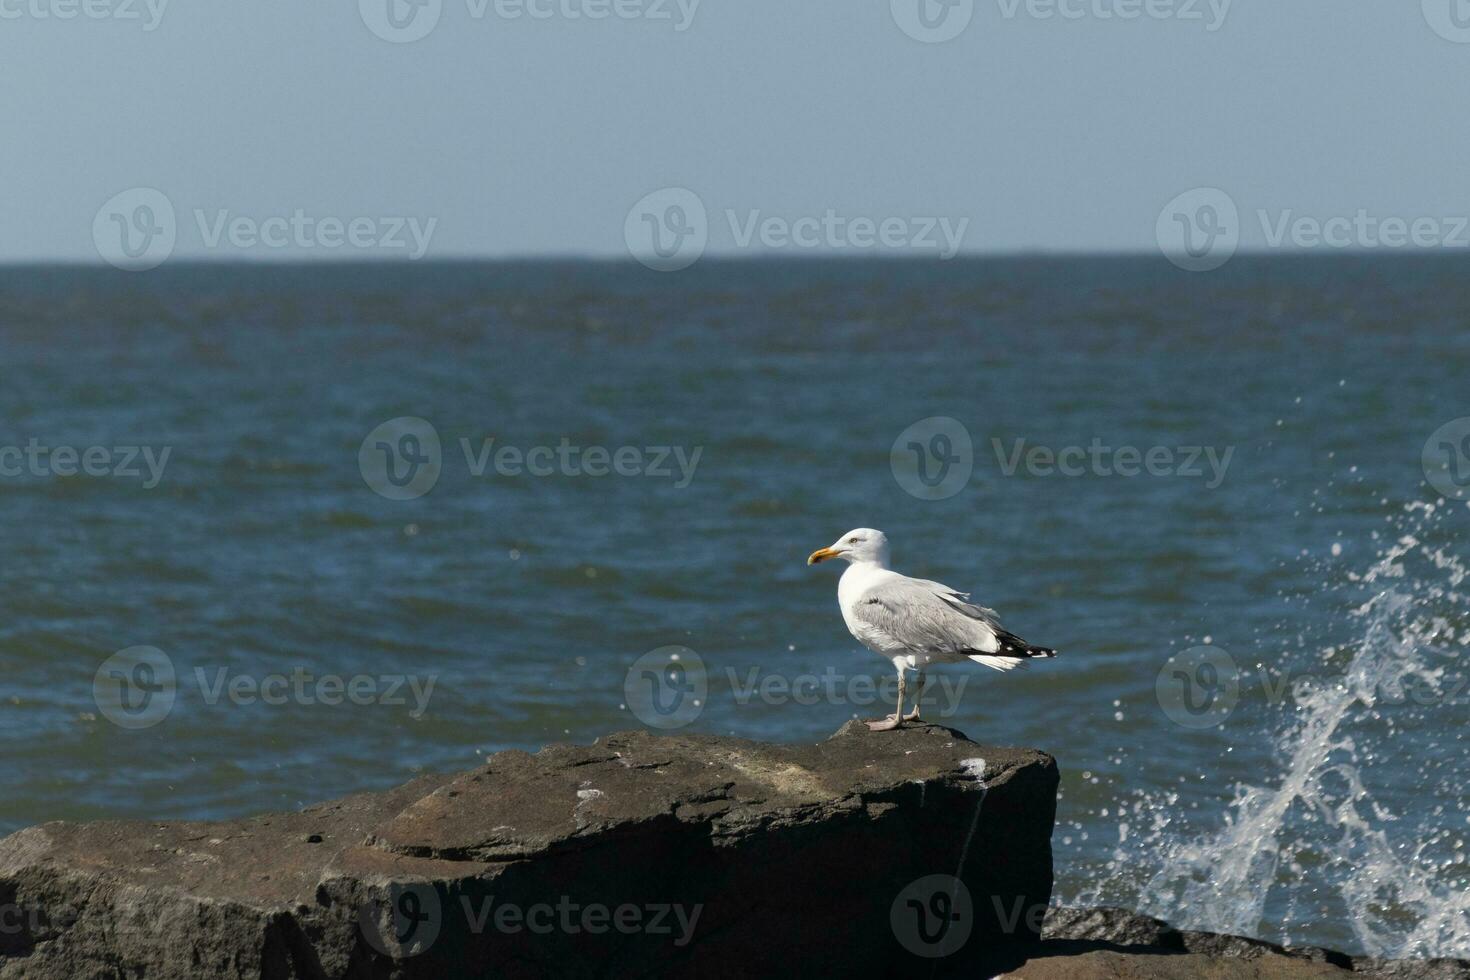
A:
(1063, 125)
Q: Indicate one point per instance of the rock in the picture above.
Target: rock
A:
(1117, 943)
(1116, 927)
(1438, 969)
(1165, 966)
(1236, 947)
(639, 855)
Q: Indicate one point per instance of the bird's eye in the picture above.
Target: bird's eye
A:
(853, 540)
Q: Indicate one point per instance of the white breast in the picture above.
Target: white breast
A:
(855, 581)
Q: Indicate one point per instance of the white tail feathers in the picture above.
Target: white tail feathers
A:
(998, 663)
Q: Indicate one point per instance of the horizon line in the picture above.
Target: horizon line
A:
(765, 257)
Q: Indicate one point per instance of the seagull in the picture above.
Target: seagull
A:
(915, 622)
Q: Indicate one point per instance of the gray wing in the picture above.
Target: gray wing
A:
(928, 617)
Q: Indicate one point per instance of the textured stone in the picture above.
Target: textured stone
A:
(777, 857)
(1114, 926)
(1117, 943)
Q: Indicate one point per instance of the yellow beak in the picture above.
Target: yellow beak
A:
(821, 555)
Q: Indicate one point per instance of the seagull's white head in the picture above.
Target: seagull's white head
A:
(861, 544)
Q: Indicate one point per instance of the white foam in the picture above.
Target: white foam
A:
(1315, 842)
(1358, 839)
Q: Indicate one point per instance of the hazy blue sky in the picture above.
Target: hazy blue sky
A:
(537, 135)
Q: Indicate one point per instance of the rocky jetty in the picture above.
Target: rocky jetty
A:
(641, 855)
(1117, 943)
(868, 854)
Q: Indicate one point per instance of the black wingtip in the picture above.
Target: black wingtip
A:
(1012, 645)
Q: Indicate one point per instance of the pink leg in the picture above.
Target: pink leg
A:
(894, 720)
(918, 699)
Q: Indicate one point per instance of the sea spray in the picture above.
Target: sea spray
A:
(1316, 844)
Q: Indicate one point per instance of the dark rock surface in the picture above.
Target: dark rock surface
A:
(641, 855)
(763, 860)
(1109, 942)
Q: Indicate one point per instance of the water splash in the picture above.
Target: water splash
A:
(1370, 721)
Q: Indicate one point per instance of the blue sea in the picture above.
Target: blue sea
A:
(276, 534)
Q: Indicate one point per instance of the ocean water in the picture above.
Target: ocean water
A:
(1260, 705)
